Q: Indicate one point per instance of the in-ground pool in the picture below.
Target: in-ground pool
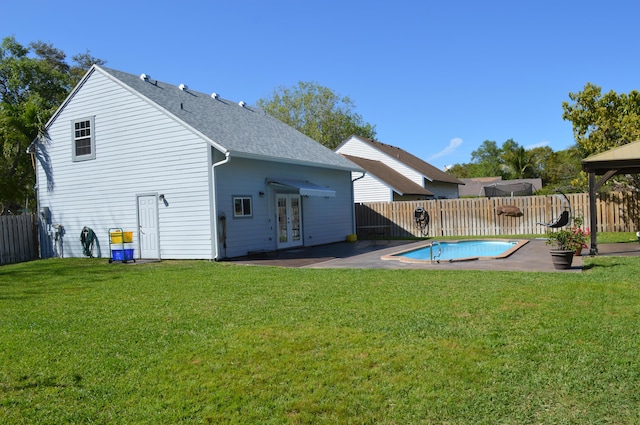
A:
(438, 251)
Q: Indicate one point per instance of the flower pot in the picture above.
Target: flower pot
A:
(562, 259)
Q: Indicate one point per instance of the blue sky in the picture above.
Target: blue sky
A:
(436, 78)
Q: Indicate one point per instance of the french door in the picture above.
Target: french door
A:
(289, 220)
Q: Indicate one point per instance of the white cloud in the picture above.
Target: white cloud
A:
(453, 145)
(537, 145)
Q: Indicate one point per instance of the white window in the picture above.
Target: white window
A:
(242, 206)
(84, 145)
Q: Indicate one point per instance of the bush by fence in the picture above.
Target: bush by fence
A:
(616, 212)
(18, 238)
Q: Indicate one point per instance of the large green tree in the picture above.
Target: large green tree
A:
(34, 80)
(317, 112)
(602, 121)
(518, 162)
(487, 159)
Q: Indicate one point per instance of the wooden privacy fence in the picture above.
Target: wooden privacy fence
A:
(616, 212)
(18, 238)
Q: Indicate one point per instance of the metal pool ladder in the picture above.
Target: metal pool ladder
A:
(435, 257)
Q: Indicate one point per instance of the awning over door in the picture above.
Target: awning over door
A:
(304, 188)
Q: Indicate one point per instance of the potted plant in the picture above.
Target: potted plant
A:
(580, 235)
(566, 243)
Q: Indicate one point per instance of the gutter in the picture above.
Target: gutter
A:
(353, 203)
(215, 219)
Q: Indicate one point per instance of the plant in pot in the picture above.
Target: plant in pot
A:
(580, 235)
(565, 244)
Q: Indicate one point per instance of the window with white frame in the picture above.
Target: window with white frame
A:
(242, 206)
(84, 146)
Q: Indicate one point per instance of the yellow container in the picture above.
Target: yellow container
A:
(116, 237)
(352, 237)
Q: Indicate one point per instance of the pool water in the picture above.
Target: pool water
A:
(461, 250)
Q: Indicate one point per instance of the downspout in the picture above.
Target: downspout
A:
(216, 239)
(353, 203)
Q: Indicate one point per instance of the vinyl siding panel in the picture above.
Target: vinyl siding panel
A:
(370, 189)
(365, 189)
(361, 149)
(139, 150)
(324, 220)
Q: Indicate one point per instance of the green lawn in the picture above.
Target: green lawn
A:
(84, 341)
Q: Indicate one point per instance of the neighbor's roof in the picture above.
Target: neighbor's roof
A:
(396, 181)
(239, 130)
(474, 186)
(623, 159)
(427, 170)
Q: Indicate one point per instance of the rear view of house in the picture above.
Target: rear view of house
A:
(191, 175)
(393, 174)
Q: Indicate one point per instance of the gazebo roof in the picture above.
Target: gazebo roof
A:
(624, 159)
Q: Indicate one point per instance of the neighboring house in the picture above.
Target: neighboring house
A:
(495, 186)
(393, 174)
(192, 175)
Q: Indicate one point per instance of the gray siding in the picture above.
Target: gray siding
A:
(139, 150)
(325, 220)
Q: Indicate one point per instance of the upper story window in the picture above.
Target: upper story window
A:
(242, 206)
(84, 146)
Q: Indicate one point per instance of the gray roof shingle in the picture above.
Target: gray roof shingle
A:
(240, 130)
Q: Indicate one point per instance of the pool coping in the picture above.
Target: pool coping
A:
(396, 256)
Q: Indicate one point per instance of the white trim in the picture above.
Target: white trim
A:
(304, 188)
(92, 139)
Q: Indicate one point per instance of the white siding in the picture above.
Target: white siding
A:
(355, 147)
(370, 189)
(139, 150)
(325, 220)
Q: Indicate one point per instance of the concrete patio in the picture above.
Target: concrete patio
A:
(534, 256)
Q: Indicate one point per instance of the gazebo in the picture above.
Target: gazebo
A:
(624, 159)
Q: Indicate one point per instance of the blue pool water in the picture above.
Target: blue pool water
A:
(448, 251)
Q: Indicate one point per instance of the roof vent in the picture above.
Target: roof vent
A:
(214, 95)
(241, 103)
(183, 87)
(144, 77)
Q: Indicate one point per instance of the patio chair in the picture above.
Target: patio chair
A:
(565, 217)
(561, 221)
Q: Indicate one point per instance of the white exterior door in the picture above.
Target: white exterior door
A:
(148, 226)
(289, 220)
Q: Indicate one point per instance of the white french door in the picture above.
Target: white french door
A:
(289, 220)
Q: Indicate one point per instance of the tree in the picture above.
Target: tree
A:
(512, 161)
(317, 112)
(601, 122)
(488, 159)
(518, 162)
(34, 80)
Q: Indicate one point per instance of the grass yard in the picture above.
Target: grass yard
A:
(84, 341)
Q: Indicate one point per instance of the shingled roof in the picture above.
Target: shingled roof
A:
(396, 181)
(234, 128)
(427, 170)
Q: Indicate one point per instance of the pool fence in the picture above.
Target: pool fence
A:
(616, 212)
